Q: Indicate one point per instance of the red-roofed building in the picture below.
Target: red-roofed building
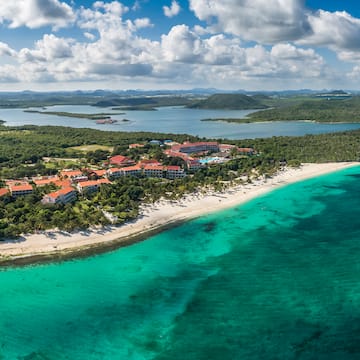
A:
(121, 160)
(99, 173)
(63, 196)
(95, 174)
(134, 146)
(63, 183)
(154, 171)
(174, 172)
(4, 192)
(74, 175)
(246, 151)
(19, 190)
(16, 182)
(45, 181)
(189, 148)
(131, 170)
(91, 185)
(68, 173)
(126, 171)
(114, 173)
(226, 147)
(150, 162)
(193, 164)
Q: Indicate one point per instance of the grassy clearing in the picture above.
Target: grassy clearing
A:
(93, 147)
(17, 133)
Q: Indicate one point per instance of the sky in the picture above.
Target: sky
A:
(48, 45)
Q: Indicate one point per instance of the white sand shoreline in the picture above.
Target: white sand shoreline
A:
(158, 215)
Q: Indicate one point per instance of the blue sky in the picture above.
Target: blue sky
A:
(179, 44)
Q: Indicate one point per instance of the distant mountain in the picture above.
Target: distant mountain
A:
(229, 101)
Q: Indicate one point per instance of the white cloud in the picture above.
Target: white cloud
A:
(113, 49)
(49, 49)
(266, 21)
(36, 13)
(274, 21)
(181, 45)
(338, 30)
(6, 50)
(143, 23)
(173, 10)
(89, 35)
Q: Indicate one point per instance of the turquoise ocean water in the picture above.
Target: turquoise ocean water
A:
(276, 278)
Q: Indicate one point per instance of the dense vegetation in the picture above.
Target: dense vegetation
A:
(230, 101)
(96, 98)
(321, 110)
(23, 148)
(143, 103)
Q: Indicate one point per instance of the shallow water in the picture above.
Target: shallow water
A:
(276, 278)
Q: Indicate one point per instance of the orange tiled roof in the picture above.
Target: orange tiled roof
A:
(103, 181)
(94, 182)
(154, 167)
(63, 191)
(3, 191)
(40, 182)
(149, 162)
(26, 187)
(71, 173)
(99, 172)
(174, 168)
(120, 159)
(16, 182)
(63, 183)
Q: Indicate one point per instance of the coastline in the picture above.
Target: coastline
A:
(56, 246)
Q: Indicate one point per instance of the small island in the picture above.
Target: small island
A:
(96, 116)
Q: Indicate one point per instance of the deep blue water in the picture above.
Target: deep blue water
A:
(175, 120)
(276, 278)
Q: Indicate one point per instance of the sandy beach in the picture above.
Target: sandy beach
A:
(154, 218)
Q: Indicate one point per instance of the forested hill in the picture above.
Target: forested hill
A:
(230, 101)
(314, 109)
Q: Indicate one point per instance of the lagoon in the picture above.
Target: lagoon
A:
(177, 120)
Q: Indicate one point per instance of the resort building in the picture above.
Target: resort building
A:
(42, 181)
(126, 171)
(226, 148)
(91, 185)
(13, 182)
(154, 171)
(174, 172)
(74, 175)
(189, 148)
(120, 160)
(63, 196)
(114, 173)
(97, 174)
(134, 146)
(55, 180)
(20, 190)
(151, 162)
(131, 171)
(246, 151)
(193, 164)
